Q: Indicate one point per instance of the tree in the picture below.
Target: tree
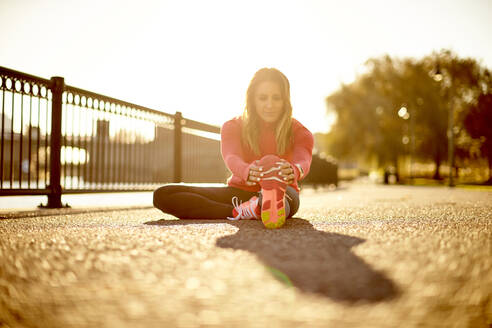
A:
(478, 124)
(460, 83)
(367, 114)
(367, 121)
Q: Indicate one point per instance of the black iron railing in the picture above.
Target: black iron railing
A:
(58, 139)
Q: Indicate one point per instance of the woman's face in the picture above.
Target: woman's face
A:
(269, 103)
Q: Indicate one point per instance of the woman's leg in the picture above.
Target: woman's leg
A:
(197, 202)
(292, 197)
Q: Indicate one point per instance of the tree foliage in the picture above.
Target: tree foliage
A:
(478, 123)
(370, 118)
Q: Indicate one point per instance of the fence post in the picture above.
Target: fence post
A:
(54, 197)
(178, 150)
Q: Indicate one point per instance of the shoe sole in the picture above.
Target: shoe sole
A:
(273, 193)
(273, 217)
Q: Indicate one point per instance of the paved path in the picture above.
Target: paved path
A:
(362, 256)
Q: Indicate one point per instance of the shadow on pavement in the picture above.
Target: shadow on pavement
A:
(311, 260)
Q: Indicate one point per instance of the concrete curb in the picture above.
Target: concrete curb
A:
(66, 211)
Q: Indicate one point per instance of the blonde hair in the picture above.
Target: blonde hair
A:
(251, 120)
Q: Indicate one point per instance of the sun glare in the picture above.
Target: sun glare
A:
(197, 57)
(206, 79)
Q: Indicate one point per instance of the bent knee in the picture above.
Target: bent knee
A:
(293, 199)
(160, 195)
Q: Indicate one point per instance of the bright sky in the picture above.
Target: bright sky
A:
(198, 57)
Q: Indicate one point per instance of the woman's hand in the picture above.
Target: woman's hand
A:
(286, 171)
(254, 176)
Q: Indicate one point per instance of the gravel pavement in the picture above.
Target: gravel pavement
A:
(359, 256)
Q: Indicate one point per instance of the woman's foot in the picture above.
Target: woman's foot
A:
(246, 211)
(273, 187)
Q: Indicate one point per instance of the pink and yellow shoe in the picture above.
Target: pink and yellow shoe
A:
(249, 210)
(273, 193)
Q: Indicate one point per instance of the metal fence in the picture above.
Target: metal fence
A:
(55, 138)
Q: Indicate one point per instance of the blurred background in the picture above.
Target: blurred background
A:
(398, 91)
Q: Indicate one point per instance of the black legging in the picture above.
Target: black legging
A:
(200, 202)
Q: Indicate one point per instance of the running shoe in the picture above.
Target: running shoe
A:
(246, 211)
(273, 188)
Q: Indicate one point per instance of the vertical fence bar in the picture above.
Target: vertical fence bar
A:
(12, 139)
(126, 153)
(104, 148)
(141, 170)
(138, 155)
(73, 154)
(110, 150)
(121, 155)
(177, 146)
(136, 152)
(38, 137)
(115, 150)
(133, 157)
(154, 157)
(3, 140)
(145, 160)
(54, 197)
(99, 148)
(79, 152)
(79, 144)
(131, 152)
(123, 140)
(86, 144)
(64, 144)
(98, 152)
(93, 152)
(150, 158)
(21, 135)
(46, 158)
(117, 144)
(30, 140)
(160, 158)
(161, 155)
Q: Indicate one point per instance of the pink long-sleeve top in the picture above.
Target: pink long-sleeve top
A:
(238, 157)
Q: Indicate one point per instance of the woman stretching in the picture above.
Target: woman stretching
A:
(266, 150)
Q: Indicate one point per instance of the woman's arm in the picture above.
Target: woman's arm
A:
(231, 149)
(302, 153)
